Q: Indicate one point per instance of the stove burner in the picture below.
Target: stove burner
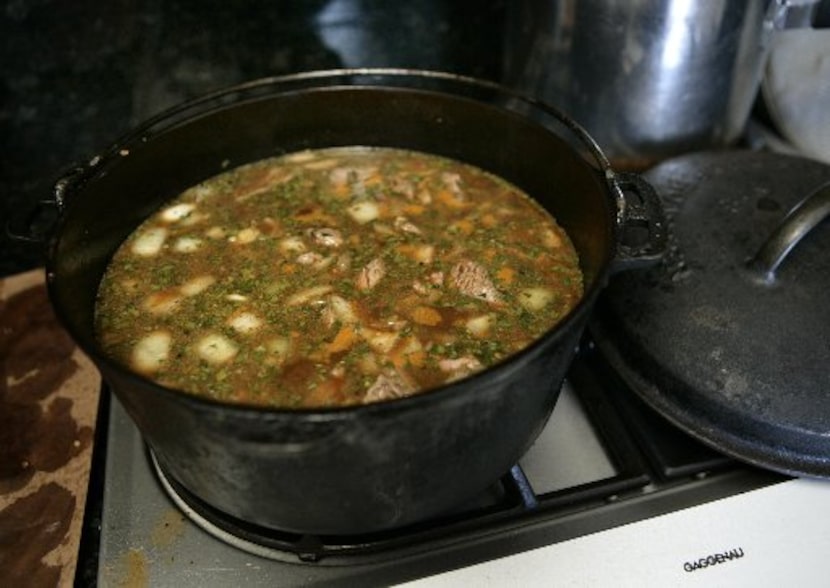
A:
(512, 493)
(271, 545)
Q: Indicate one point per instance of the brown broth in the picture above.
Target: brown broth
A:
(335, 277)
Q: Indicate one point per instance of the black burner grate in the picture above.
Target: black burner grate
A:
(670, 452)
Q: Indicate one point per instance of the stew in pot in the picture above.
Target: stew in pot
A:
(335, 277)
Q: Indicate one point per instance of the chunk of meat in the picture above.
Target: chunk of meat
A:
(452, 181)
(472, 279)
(371, 274)
(404, 224)
(388, 385)
(404, 186)
(314, 260)
(309, 258)
(460, 367)
(313, 295)
(338, 309)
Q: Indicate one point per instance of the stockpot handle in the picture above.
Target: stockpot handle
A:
(641, 224)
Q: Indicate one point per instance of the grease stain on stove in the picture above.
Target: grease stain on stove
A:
(131, 570)
(42, 481)
(134, 567)
(168, 529)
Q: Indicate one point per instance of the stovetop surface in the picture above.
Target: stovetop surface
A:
(603, 460)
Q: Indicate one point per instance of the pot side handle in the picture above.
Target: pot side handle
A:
(641, 224)
(36, 224)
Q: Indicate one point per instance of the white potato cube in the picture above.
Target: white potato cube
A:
(150, 242)
(177, 212)
(364, 211)
(215, 348)
(245, 322)
(535, 298)
(150, 353)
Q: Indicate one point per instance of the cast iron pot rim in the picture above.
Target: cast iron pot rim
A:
(78, 178)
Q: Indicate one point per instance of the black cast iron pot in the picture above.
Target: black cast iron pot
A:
(364, 468)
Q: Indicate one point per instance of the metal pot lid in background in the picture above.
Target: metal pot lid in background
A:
(729, 337)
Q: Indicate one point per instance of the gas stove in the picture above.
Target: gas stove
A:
(617, 489)
(602, 473)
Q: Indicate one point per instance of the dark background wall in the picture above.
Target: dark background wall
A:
(75, 75)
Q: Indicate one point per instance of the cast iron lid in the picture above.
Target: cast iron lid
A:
(729, 337)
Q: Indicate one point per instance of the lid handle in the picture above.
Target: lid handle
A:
(799, 221)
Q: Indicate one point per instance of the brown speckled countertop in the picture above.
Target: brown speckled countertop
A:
(48, 405)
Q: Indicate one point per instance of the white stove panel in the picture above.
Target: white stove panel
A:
(775, 536)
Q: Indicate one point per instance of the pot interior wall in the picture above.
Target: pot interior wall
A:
(151, 169)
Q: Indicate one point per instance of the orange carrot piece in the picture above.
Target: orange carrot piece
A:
(342, 190)
(425, 315)
(489, 220)
(240, 395)
(447, 198)
(343, 340)
(315, 214)
(417, 252)
(464, 225)
(329, 392)
(506, 274)
(408, 352)
(417, 358)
